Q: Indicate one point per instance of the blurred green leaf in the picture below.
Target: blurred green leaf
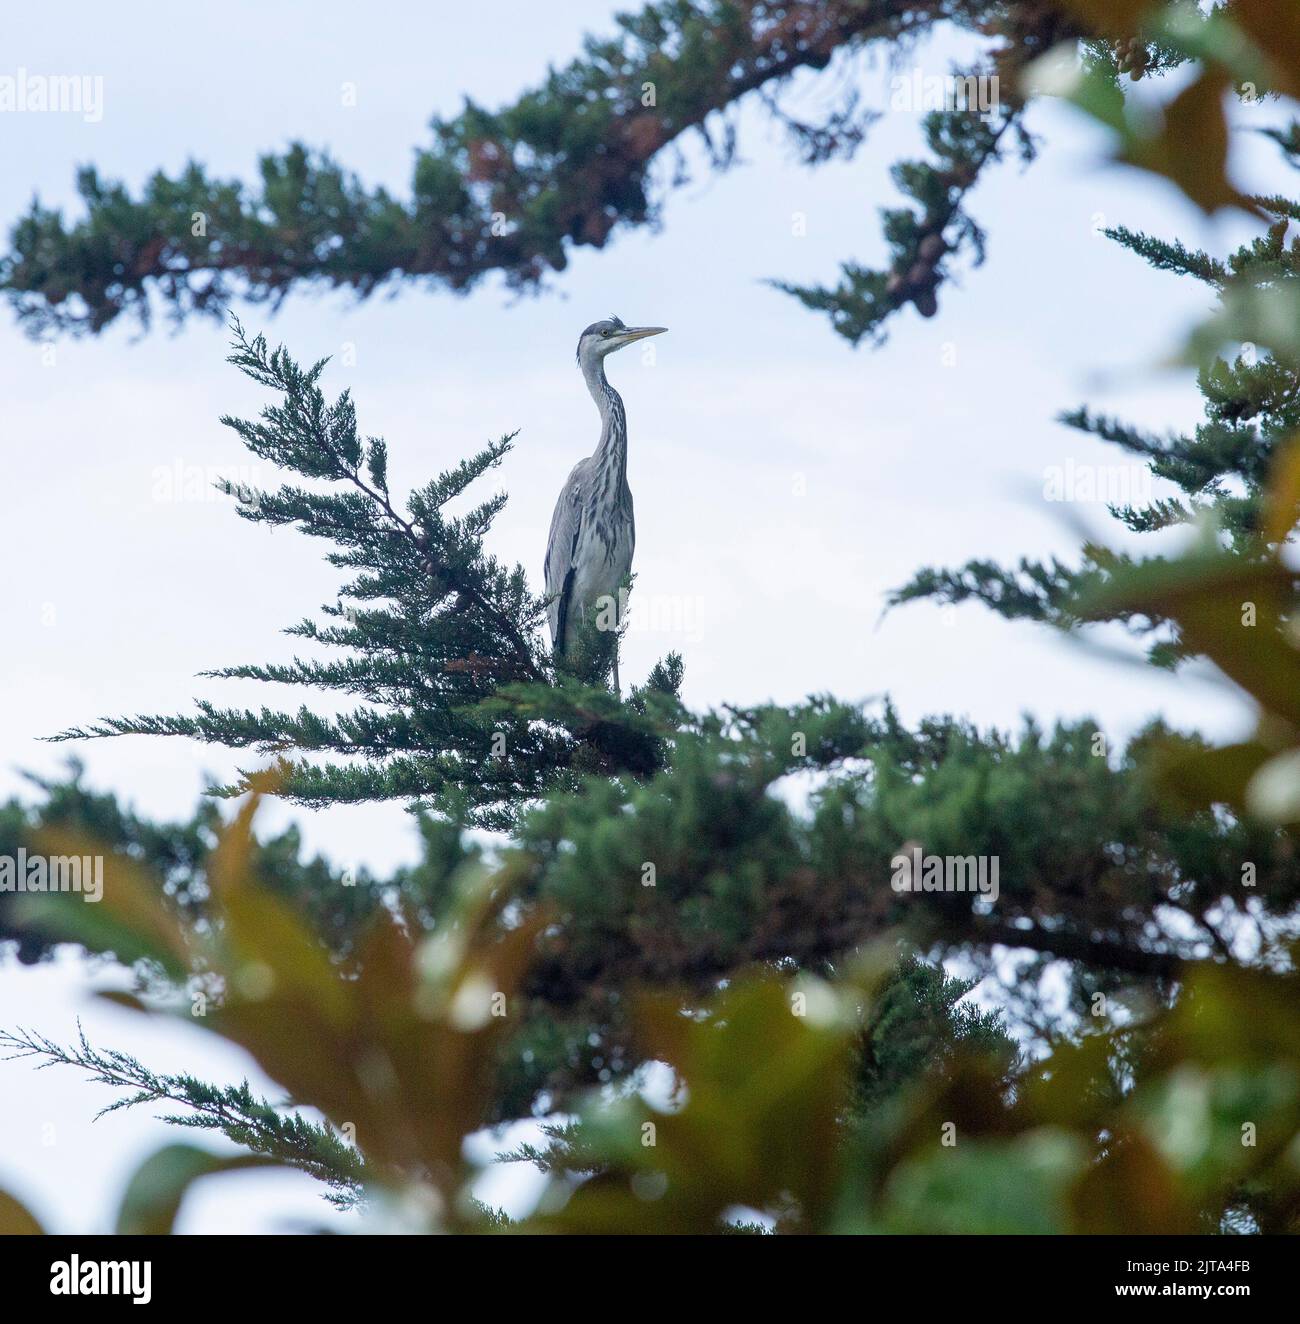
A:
(1283, 504)
(159, 1185)
(765, 1075)
(132, 920)
(1205, 777)
(1227, 606)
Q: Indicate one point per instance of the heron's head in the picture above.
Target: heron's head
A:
(602, 338)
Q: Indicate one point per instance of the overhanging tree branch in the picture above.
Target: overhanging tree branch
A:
(508, 191)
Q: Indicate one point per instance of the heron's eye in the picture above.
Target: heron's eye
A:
(607, 333)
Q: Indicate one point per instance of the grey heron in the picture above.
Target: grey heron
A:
(589, 551)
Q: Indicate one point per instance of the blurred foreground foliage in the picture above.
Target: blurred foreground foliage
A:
(729, 857)
(1181, 1115)
(751, 1040)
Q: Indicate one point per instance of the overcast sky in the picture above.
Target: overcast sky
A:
(784, 481)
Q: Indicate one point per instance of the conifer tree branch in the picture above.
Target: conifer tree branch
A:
(924, 240)
(1222, 467)
(512, 191)
(234, 1111)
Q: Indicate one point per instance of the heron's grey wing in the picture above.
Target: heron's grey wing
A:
(561, 551)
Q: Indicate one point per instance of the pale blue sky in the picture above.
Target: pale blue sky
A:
(784, 481)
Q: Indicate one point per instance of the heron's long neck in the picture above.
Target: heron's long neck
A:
(611, 454)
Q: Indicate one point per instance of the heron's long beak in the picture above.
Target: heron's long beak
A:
(640, 332)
